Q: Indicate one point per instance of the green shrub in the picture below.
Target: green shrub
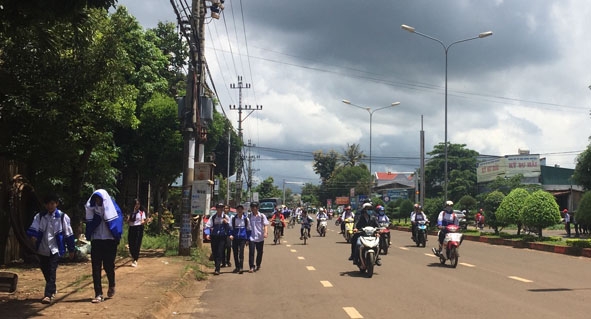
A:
(581, 243)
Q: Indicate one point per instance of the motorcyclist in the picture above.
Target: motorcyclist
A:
(321, 214)
(346, 214)
(416, 216)
(278, 215)
(382, 217)
(363, 219)
(306, 223)
(446, 217)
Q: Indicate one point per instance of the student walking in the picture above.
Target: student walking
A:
(51, 232)
(135, 234)
(239, 236)
(258, 232)
(104, 226)
(219, 229)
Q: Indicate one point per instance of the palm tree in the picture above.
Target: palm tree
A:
(352, 156)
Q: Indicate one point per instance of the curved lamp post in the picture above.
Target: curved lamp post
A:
(445, 49)
(371, 112)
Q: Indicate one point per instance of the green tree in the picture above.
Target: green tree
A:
(344, 178)
(509, 212)
(267, 189)
(310, 194)
(582, 175)
(583, 213)
(461, 171)
(469, 204)
(325, 164)
(352, 155)
(540, 211)
(406, 207)
(432, 207)
(170, 43)
(491, 204)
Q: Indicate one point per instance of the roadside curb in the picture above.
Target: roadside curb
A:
(565, 250)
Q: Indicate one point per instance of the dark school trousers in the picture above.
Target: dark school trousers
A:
(134, 239)
(218, 243)
(102, 255)
(48, 265)
(238, 248)
(258, 246)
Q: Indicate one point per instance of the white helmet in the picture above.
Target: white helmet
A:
(449, 203)
(321, 209)
(366, 205)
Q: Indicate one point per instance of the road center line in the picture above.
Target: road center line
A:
(520, 279)
(326, 284)
(287, 245)
(310, 268)
(352, 312)
(293, 250)
(467, 265)
(403, 248)
(431, 255)
(301, 258)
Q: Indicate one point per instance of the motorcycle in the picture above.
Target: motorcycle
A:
(369, 250)
(420, 237)
(384, 238)
(451, 244)
(322, 227)
(348, 229)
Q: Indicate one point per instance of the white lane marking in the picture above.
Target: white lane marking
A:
(520, 279)
(431, 255)
(352, 312)
(287, 245)
(467, 265)
(293, 250)
(310, 268)
(301, 258)
(403, 248)
(326, 284)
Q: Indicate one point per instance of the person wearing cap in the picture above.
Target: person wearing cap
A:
(363, 219)
(259, 226)
(446, 217)
(346, 214)
(219, 229)
(566, 222)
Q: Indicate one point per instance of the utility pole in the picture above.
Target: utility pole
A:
(239, 162)
(249, 170)
(191, 23)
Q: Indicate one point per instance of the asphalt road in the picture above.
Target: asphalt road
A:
(317, 281)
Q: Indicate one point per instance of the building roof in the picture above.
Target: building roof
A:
(392, 178)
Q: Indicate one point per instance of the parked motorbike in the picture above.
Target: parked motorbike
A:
(348, 229)
(451, 246)
(322, 227)
(384, 238)
(421, 235)
(369, 250)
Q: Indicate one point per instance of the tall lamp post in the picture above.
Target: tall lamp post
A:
(445, 49)
(371, 112)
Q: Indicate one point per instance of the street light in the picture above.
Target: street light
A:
(446, 49)
(368, 109)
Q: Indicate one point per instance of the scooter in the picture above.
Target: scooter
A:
(348, 229)
(322, 227)
(369, 250)
(421, 235)
(384, 238)
(451, 245)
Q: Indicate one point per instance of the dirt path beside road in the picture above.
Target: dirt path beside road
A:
(160, 287)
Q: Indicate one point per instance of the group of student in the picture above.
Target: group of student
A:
(51, 233)
(240, 229)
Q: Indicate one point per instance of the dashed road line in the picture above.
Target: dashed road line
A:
(520, 279)
(310, 268)
(403, 248)
(467, 265)
(301, 258)
(326, 284)
(431, 255)
(352, 312)
(293, 250)
(287, 245)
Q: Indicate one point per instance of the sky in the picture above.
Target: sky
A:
(524, 87)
